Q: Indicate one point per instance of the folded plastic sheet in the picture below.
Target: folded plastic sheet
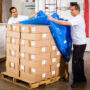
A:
(60, 33)
(40, 19)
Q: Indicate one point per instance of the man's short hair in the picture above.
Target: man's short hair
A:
(12, 9)
(77, 7)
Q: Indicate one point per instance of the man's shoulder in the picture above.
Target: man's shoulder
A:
(10, 18)
(21, 16)
(79, 17)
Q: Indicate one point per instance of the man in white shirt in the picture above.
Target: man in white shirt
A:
(79, 43)
(15, 19)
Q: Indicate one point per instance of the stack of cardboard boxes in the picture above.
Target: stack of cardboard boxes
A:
(13, 43)
(55, 59)
(32, 54)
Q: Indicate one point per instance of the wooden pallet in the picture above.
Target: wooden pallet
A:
(26, 84)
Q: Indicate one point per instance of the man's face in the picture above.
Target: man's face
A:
(74, 12)
(14, 13)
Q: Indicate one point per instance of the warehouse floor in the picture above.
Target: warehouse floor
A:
(60, 85)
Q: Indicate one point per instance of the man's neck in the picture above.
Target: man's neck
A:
(14, 17)
(77, 14)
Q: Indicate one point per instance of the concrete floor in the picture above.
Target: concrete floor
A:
(4, 85)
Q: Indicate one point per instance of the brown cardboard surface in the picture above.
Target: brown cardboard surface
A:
(28, 56)
(14, 27)
(34, 78)
(56, 54)
(56, 68)
(54, 48)
(12, 59)
(52, 42)
(12, 68)
(33, 43)
(13, 53)
(55, 60)
(13, 34)
(38, 64)
(34, 72)
(26, 28)
(43, 36)
(13, 47)
(30, 78)
(33, 50)
(35, 29)
(11, 40)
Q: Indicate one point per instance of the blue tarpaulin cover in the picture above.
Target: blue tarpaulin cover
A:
(60, 33)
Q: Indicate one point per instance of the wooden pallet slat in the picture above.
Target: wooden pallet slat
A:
(20, 82)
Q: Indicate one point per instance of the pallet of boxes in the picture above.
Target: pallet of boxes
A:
(32, 55)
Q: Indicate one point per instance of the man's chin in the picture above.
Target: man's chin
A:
(72, 14)
(15, 16)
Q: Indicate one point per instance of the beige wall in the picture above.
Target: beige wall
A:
(5, 10)
(18, 4)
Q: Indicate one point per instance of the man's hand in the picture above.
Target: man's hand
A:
(59, 21)
(33, 15)
(36, 12)
(50, 18)
(17, 22)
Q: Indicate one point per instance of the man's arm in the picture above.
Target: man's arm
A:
(32, 15)
(59, 21)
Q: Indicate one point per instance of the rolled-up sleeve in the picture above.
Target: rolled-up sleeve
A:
(23, 18)
(74, 21)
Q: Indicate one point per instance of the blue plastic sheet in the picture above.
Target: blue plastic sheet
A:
(60, 33)
(41, 19)
(62, 37)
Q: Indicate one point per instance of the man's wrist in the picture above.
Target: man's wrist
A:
(53, 19)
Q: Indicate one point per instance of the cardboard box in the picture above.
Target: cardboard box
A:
(28, 56)
(12, 40)
(13, 34)
(13, 47)
(12, 68)
(13, 59)
(32, 43)
(55, 69)
(14, 27)
(34, 71)
(54, 48)
(55, 60)
(53, 42)
(33, 50)
(35, 29)
(13, 53)
(44, 65)
(43, 36)
(55, 72)
(56, 54)
(34, 78)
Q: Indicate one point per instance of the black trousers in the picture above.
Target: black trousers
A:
(78, 63)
